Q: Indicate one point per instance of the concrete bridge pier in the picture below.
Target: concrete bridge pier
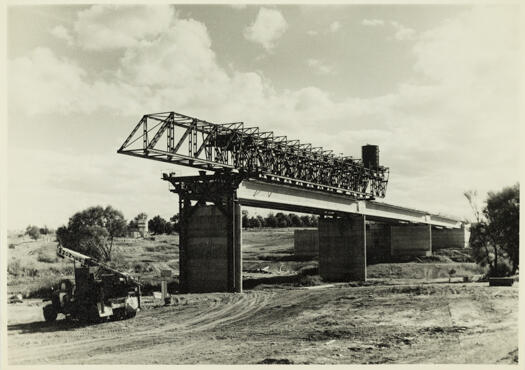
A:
(411, 240)
(342, 248)
(210, 258)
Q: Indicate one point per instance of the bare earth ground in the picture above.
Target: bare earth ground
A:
(394, 319)
(431, 323)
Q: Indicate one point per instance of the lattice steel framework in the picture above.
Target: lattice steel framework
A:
(230, 147)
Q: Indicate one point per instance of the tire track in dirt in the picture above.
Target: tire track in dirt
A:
(167, 328)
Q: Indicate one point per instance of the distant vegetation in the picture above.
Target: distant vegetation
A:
(35, 232)
(157, 225)
(278, 220)
(494, 235)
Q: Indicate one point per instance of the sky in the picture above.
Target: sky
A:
(435, 86)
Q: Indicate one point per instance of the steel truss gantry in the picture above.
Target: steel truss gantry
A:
(188, 141)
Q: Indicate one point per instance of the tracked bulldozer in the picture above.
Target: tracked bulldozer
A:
(99, 292)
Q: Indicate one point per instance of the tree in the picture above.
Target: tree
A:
(157, 225)
(296, 220)
(254, 222)
(33, 232)
(261, 220)
(245, 222)
(502, 213)
(270, 220)
(283, 220)
(305, 220)
(92, 231)
(175, 223)
(44, 230)
(134, 224)
(494, 236)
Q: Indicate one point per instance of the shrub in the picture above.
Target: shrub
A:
(33, 232)
(16, 268)
(13, 267)
(42, 257)
(12, 246)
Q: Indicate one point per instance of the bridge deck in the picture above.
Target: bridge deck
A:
(288, 198)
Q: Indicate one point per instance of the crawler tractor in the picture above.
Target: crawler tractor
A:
(99, 292)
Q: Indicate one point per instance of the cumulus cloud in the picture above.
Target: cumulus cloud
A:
(106, 27)
(320, 67)
(401, 32)
(41, 83)
(61, 32)
(268, 27)
(464, 85)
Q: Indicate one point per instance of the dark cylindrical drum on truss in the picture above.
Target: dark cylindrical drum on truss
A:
(370, 156)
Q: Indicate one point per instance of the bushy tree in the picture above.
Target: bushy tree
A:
(254, 222)
(133, 224)
(305, 220)
(245, 221)
(33, 232)
(295, 220)
(283, 220)
(157, 225)
(92, 231)
(175, 223)
(494, 236)
(261, 220)
(270, 220)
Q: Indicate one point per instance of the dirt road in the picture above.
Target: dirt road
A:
(431, 323)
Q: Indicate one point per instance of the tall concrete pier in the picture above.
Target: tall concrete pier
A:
(342, 248)
(212, 258)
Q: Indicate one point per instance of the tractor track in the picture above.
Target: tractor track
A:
(148, 329)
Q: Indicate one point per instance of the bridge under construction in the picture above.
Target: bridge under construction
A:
(253, 168)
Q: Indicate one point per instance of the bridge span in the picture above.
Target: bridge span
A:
(210, 255)
(260, 194)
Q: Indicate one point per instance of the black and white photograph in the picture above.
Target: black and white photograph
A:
(251, 183)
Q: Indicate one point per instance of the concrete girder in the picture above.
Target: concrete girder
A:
(289, 198)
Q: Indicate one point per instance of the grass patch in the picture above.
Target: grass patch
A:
(18, 269)
(46, 258)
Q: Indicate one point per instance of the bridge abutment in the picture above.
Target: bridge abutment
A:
(342, 248)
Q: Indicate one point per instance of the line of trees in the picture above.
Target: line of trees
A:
(278, 220)
(93, 230)
(494, 234)
(158, 225)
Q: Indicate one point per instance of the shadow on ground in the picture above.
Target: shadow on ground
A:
(46, 327)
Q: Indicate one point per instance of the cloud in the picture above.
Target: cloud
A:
(61, 32)
(106, 27)
(42, 83)
(401, 32)
(320, 67)
(334, 26)
(267, 28)
(439, 125)
(372, 22)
